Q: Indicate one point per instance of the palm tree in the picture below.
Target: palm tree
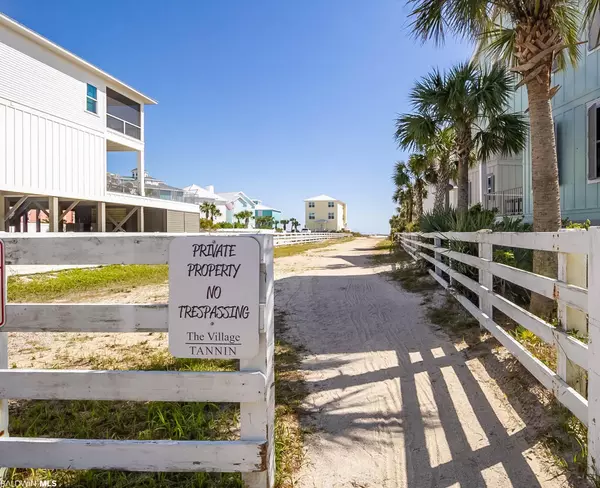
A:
(473, 101)
(404, 196)
(206, 208)
(284, 223)
(214, 212)
(295, 224)
(413, 173)
(537, 34)
(244, 215)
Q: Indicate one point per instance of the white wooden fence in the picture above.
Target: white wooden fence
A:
(289, 238)
(252, 386)
(576, 291)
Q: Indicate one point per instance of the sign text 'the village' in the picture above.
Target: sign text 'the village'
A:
(214, 297)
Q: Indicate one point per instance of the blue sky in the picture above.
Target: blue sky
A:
(283, 99)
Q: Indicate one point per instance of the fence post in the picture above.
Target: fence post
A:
(257, 420)
(594, 350)
(486, 279)
(437, 242)
(572, 270)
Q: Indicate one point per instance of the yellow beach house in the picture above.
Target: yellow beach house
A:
(325, 214)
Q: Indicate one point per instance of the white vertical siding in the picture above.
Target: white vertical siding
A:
(46, 155)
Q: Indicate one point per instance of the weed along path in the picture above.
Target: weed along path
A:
(393, 402)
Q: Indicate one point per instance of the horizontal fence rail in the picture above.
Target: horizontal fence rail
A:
(252, 387)
(577, 294)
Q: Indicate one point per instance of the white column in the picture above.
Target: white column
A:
(140, 219)
(594, 351)
(101, 217)
(257, 420)
(141, 172)
(54, 214)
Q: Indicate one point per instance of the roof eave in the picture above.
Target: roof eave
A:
(41, 40)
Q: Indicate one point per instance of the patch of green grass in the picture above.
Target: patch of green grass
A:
(290, 391)
(51, 286)
(292, 250)
(161, 420)
(413, 276)
(87, 419)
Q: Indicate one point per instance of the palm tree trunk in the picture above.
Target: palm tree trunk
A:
(441, 188)
(464, 151)
(419, 202)
(546, 191)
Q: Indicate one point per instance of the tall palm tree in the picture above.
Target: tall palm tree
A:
(214, 212)
(404, 197)
(244, 215)
(413, 172)
(473, 101)
(295, 224)
(206, 208)
(284, 223)
(529, 36)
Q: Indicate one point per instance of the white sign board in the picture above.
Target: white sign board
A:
(214, 297)
(3, 278)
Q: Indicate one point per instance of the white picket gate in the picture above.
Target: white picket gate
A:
(252, 386)
(576, 291)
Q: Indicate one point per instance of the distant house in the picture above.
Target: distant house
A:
(324, 213)
(208, 195)
(263, 211)
(236, 202)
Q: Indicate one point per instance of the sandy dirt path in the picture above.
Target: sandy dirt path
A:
(393, 402)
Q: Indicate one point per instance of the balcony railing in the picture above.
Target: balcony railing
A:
(506, 202)
(124, 127)
(120, 186)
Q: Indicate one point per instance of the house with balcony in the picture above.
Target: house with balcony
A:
(325, 214)
(60, 118)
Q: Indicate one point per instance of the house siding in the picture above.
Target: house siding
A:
(580, 199)
(33, 76)
(46, 155)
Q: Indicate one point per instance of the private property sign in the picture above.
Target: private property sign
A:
(3, 279)
(214, 297)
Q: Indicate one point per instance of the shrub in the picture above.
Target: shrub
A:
(206, 224)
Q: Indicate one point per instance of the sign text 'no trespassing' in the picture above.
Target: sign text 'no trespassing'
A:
(214, 297)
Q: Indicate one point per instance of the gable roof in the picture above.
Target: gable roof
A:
(232, 196)
(260, 206)
(203, 193)
(51, 46)
(323, 198)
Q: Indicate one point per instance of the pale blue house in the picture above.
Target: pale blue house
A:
(237, 202)
(575, 108)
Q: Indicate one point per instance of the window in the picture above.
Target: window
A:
(593, 142)
(330, 204)
(311, 204)
(311, 216)
(491, 183)
(594, 32)
(91, 102)
(331, 216)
